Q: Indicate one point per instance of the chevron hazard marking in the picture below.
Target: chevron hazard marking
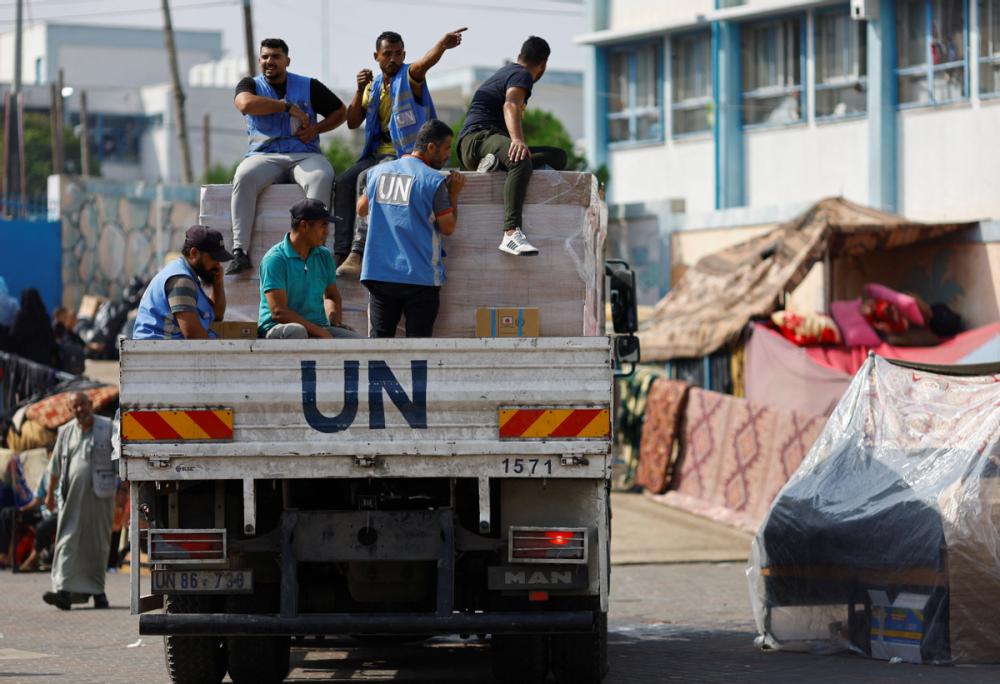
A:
(590, 423)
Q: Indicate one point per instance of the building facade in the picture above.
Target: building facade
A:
(712, 115)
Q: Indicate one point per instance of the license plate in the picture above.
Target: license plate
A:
(202, 581)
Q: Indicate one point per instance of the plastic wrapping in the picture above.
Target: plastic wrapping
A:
(886, 540)
(563, 217)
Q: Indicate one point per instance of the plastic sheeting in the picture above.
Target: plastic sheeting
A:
(886, 540)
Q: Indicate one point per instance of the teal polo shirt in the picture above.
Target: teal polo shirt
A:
(304, 282)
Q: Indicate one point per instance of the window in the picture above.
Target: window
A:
(930, 51)
(841, 65)
(634, 94)
(691, 60)
(38, 71)
(989, 47)
(772, 72)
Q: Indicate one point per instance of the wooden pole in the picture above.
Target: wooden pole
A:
(251, 48)
(54, 126)
(61, 122)
(84, 136)
(175, 80)
(206, 149)
(12, 178)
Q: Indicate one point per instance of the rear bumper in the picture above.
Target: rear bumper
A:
(224, 624)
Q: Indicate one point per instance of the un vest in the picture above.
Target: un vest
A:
(154, 307)
(404, 246)
(272, 133)
(102, 470)
(406, 118)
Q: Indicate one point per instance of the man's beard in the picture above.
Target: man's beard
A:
(204, 275)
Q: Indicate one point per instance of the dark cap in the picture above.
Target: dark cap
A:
(208, 240)
(313, 210)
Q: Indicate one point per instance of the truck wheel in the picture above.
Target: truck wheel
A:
(520, 658)
(581, 658)
(259, 660)
(193, 659)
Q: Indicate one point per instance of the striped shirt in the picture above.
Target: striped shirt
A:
(182, 295)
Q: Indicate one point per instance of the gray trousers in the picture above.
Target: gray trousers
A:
(312, 172)
(296, 331)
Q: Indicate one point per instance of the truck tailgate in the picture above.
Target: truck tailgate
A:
(297, 405)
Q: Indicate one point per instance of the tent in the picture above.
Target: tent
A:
(716, 298)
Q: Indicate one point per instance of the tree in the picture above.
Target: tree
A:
(340, 155)
(38, 153)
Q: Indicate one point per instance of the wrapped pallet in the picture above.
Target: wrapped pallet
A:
(563, 217)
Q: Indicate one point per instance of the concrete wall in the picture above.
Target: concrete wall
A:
(949, 168)
(32, 257)
(108, 232)
(631, 13)
(682, 169)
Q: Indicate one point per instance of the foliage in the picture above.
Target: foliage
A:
(38, 152)
(219, 174)
(341, 156)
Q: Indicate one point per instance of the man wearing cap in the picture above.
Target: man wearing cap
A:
(298, 291)
(174, 307)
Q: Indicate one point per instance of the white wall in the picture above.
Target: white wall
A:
(673, 170)
(807, 163)
(949, 166)
(33, 47)
(86, 65)
(629, 13)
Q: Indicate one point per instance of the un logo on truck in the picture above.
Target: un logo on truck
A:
(380, 377)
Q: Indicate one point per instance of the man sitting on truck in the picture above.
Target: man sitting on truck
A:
(173, 306)
(492, 137)
(281, 111)
(298, 290)
(411, 205)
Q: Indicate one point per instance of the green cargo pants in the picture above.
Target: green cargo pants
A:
(477, 144)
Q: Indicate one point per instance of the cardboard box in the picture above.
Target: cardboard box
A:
(506, 322)
(897, 626)
(235, 330)
(89, 306)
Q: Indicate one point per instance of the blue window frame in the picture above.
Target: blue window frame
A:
(691, 84)
(989, 47)
(635, 99)
(841, 65)
(773, 64)
(931, 63)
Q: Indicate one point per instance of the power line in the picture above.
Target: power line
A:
(464, 5)
(204, 5)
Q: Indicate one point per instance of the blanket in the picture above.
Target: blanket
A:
(657, 453)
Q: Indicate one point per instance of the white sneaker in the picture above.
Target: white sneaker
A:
(517, 244)
(488, 163)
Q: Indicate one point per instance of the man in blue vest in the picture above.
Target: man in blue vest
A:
(281, 110)
(393, 106)
(411, 205)
(174, 307)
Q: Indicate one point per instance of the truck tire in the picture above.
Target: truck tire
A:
(193, 659)
(520, 658)
(581, 658)
(259, 660)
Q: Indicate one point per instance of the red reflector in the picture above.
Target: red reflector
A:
(178, 546)
(548, 544)
(538, 596)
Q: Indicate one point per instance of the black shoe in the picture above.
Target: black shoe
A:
(59, 599)
(101, 601)
(240, 263)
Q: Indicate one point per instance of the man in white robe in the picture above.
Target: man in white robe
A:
(82, 471)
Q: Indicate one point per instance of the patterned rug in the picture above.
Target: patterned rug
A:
(664, 417)
(735, 457)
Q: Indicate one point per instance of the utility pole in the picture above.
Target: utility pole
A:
(61, 122)
(53, 126)
(206, 156)
(12, 178)
(324, 40)
(84, 136)
(175, 79)
(251, 48)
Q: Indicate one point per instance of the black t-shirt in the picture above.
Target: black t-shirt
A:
(486, 108)
(324, 102)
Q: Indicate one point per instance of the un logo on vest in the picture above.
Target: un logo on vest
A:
(394, 188)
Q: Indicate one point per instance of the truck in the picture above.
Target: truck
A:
(389, 489)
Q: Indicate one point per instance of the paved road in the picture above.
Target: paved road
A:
(683, 622)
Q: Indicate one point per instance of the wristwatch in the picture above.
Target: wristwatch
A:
(288, 106)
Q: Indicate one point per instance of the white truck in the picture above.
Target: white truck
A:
(388, 489)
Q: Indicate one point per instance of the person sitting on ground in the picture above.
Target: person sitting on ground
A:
(82, 472)
(281, 111)
(34, 513)
(298, 290)
(64, 325)
(492, 137)
(31, 335)
(173, 306)
(391, 125)
(411, 205)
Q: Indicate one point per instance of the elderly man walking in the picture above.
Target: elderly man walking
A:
(82, 471)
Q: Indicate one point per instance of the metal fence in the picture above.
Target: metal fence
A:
(34, 207)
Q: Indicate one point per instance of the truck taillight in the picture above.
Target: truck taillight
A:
(548, 545)
(187, 546)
